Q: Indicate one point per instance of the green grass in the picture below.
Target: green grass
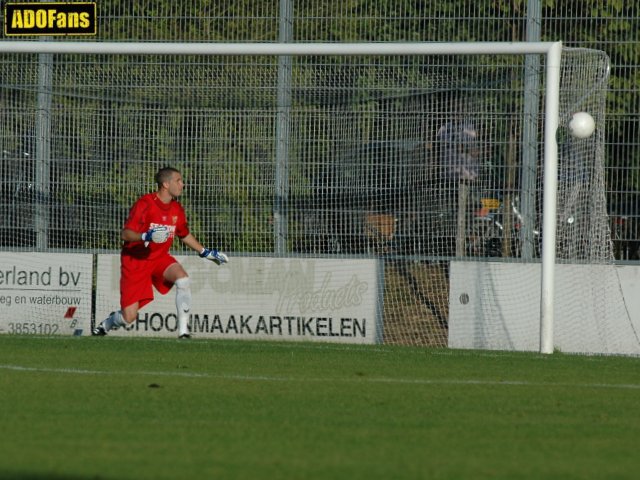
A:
(133, 408)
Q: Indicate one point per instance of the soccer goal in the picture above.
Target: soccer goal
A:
(410, 193)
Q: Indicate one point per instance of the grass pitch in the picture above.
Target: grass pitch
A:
(133, 408)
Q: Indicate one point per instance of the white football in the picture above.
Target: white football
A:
(582, 125)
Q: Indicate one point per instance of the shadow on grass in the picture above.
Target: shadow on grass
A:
(6, 475)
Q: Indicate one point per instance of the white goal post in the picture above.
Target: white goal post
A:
(551, 50)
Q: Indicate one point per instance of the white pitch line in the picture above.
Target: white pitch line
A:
(363, 379)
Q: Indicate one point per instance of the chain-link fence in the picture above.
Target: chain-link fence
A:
(378, 148)
(609, 26)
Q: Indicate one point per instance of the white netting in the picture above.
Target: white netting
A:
(496, 305)
(414, 160)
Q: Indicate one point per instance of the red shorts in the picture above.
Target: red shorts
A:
(139, 276)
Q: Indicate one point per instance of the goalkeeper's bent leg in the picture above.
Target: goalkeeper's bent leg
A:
(183, 304)
(114, 321)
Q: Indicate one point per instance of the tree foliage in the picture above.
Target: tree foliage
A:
(591, 23)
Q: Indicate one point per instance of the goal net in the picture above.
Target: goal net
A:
(414, 177)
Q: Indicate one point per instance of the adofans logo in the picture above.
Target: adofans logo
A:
(50, 18)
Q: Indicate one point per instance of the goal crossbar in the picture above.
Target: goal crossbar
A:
(343, 49)
(552, 51)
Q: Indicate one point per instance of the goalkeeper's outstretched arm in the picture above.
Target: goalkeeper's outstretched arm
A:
(191, 242)
(210, 254)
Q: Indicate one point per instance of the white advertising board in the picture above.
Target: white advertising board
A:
(45, 293)
(496, 306)
(309, 299)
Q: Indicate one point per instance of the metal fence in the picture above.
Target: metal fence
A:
(609, 26)
(232, 153)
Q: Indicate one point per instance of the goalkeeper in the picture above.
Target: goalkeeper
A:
(153, 222)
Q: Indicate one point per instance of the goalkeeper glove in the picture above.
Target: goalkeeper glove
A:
(214, 255)
(155, 235)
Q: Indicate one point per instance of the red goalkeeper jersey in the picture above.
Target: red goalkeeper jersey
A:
(149, 211)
